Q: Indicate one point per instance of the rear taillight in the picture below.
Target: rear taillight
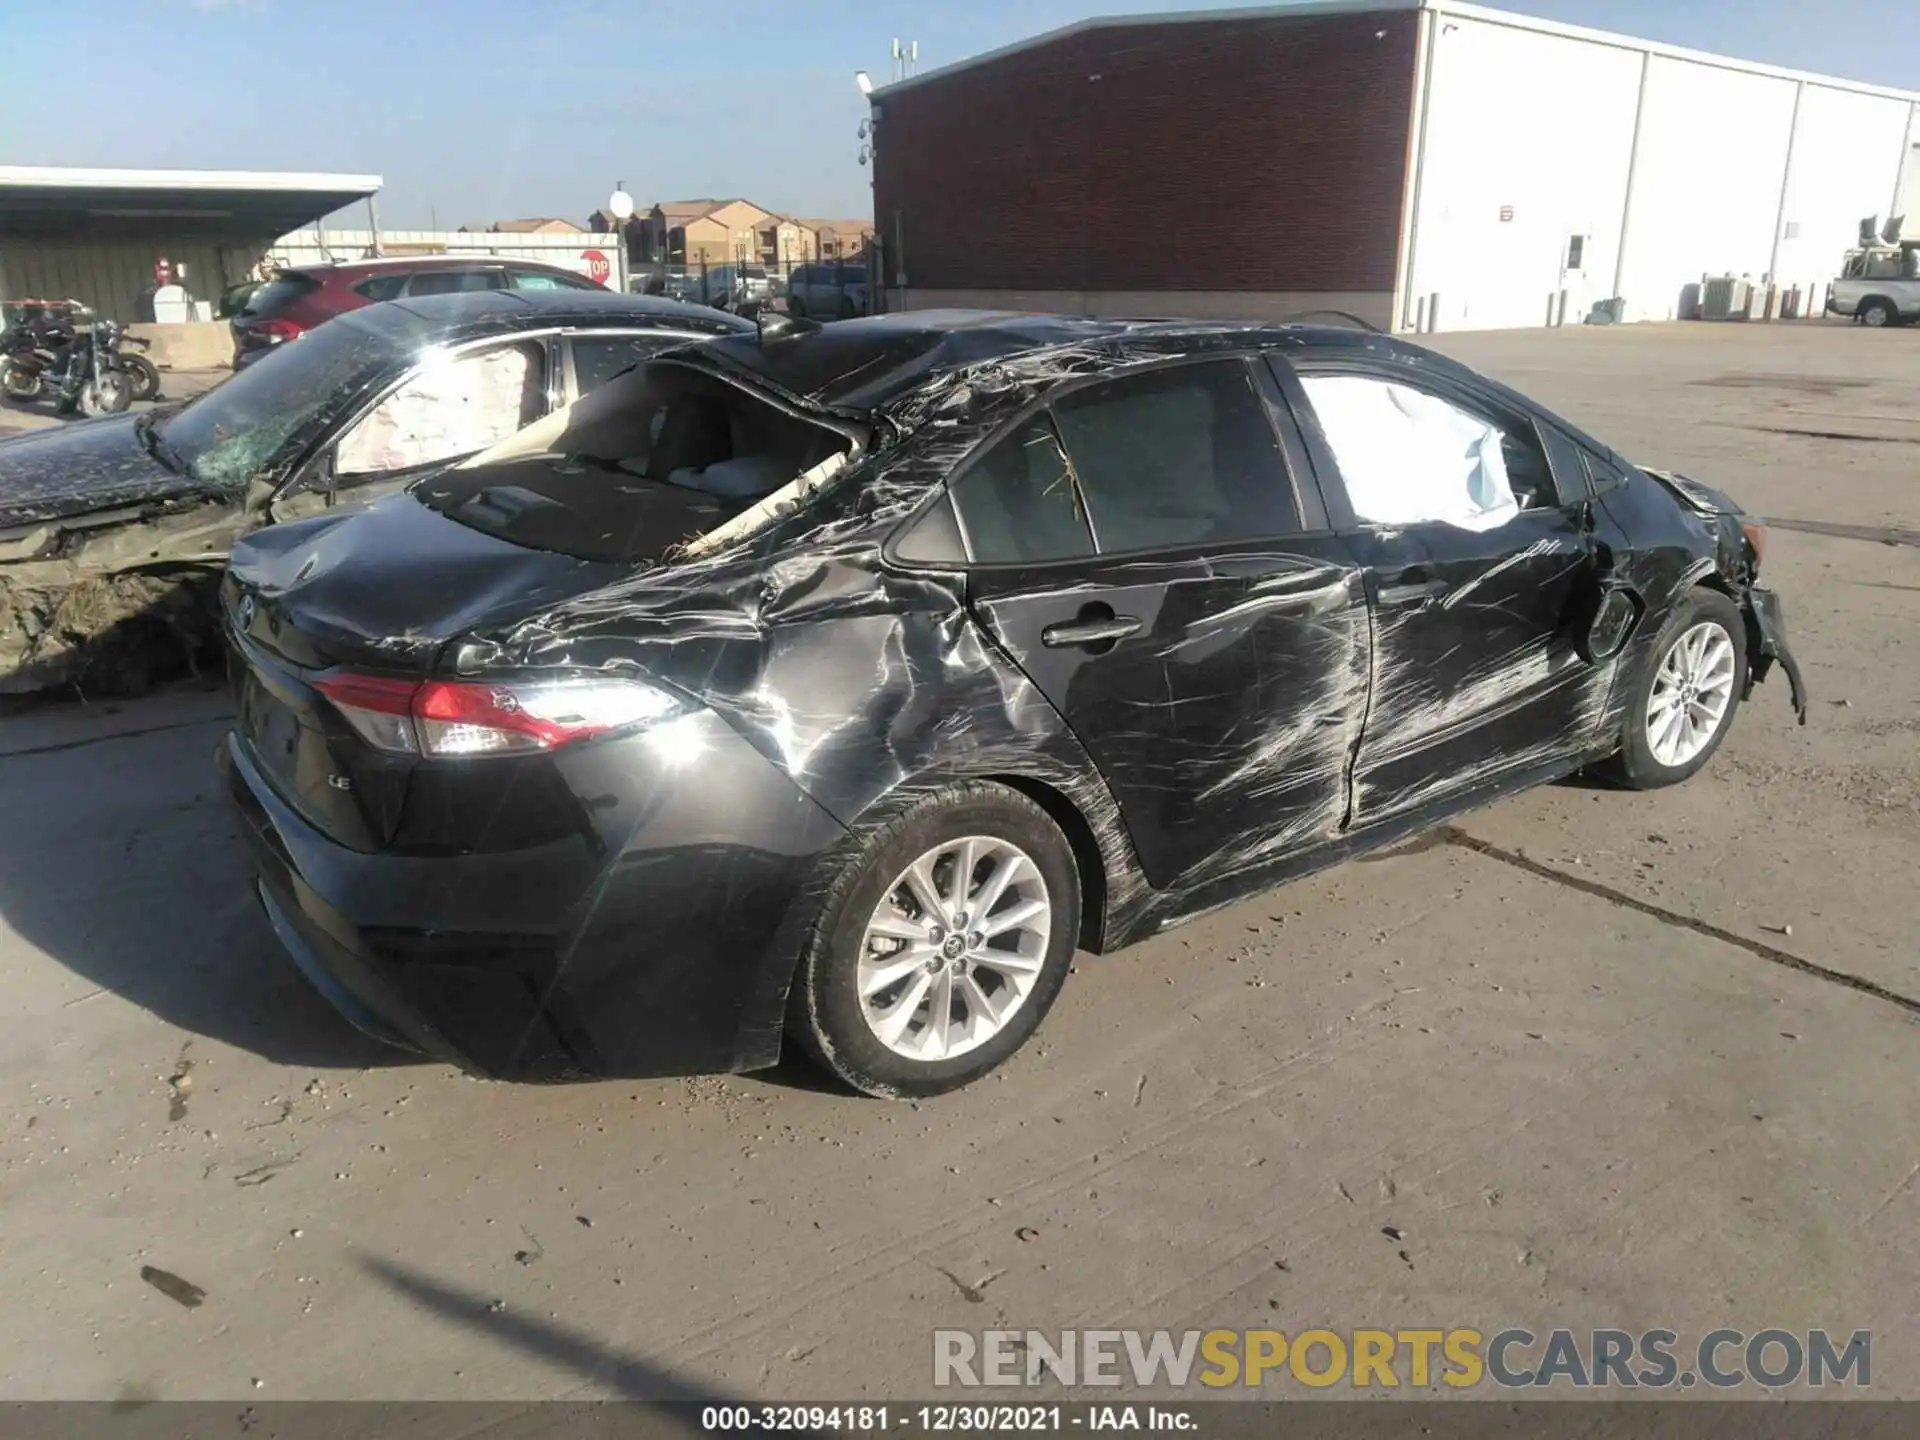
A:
(454, 718)
(378, 708)
(278, 332)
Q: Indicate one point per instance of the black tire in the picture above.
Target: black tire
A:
(796, 307)
(824, 1012)
(847, 310)
(143, 377)
(1878, 314)
(1634, 766)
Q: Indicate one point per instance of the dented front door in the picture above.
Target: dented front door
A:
(1475, 675)
(1480, 564)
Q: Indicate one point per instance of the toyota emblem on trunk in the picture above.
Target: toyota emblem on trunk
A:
(246, 612)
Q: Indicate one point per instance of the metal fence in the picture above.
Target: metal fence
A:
(597, 256)
(831, 289)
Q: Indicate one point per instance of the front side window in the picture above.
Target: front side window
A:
(1409, 457)
(448, 408)
(1178, 457)
(1019, 504)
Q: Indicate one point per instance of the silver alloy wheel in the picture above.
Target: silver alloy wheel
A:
(1692, 691)
(954, 948)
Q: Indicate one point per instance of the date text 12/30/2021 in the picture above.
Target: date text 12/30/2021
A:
(944, 1419)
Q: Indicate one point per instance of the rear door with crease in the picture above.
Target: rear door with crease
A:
(1150, 549)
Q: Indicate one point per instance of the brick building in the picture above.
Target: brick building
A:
(1424, 164)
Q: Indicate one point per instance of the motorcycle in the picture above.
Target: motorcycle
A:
(47, 351)
(143, 376)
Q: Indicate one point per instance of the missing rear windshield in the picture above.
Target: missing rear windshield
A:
(644, 466)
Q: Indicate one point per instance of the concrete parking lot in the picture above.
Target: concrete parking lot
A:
(17, 419)
(1588, 1058)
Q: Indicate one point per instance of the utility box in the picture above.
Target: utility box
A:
(1725, 298)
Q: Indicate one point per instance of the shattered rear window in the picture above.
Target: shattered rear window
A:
(277, 294)
(650, 461)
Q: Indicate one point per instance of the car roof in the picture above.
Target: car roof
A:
(378, 263)
(474, 313)
(861, 365)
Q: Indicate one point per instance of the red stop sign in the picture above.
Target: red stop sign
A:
(599, 268)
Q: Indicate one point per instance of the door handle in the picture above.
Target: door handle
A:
(1414, 592)
(1090, 629)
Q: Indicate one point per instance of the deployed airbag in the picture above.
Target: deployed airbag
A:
(1409, 458)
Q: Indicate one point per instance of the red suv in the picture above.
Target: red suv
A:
(295, 301)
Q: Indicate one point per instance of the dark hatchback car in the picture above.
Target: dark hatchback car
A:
(112, 533)
(837, 685)
(294, 301)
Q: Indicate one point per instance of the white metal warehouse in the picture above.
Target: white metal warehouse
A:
(1424, 164)
(1666, 164)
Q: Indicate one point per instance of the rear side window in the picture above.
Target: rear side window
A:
(278, 293)
(453, 282)
(381, 287)
(597, 361)
(1178, 457)
(546, 280)
(1018, 503)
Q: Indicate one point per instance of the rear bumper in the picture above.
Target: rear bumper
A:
(1767, 645)
(660, 939)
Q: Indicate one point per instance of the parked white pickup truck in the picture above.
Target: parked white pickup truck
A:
(1878, 286)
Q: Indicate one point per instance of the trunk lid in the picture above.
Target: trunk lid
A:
(381, 591)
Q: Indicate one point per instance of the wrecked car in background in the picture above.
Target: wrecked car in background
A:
(835, 684)
(113, 532)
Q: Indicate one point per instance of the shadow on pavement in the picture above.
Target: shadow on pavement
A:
(122, 863)
(628, 1376)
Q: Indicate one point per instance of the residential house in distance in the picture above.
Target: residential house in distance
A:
(539, 225)
(723, 232)
(693, 233)
(837, 239)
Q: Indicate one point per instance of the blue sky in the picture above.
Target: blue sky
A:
(476, 110)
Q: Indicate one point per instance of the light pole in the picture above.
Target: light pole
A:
(869, 157)
(620, 206)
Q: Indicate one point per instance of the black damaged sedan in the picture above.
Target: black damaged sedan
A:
(834, 684)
